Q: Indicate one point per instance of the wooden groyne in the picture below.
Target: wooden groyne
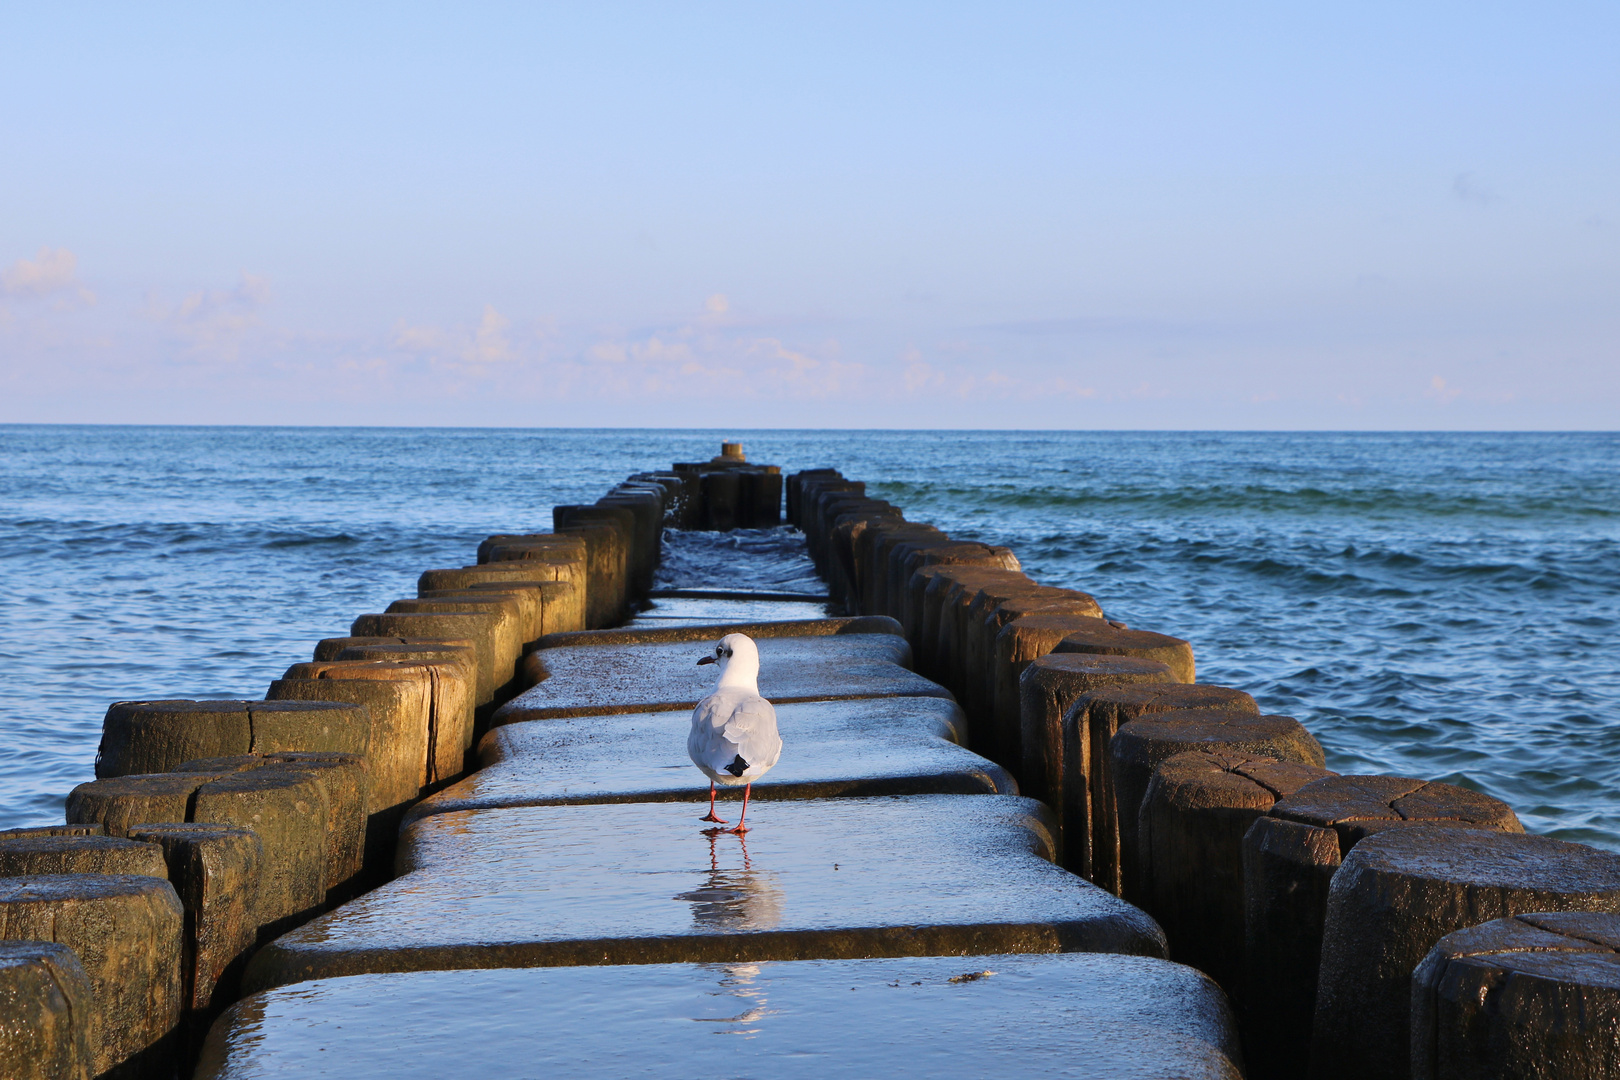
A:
(1007, 835)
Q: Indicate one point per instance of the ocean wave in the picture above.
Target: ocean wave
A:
(294, 540)
(1102, 497)
(767, 559)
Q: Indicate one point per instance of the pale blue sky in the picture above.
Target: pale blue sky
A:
(1336, 215)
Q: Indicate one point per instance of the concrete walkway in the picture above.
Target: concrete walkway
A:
(578, 844)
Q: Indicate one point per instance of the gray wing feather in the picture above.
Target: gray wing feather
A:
(705, 734)
(751, 728)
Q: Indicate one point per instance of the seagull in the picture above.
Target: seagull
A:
(734, 739)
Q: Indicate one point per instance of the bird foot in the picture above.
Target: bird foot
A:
(711, 817)
(739, 829)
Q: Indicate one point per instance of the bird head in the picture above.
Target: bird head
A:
(738, 659)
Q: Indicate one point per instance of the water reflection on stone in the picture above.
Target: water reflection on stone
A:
(737, 983)
(733, 897)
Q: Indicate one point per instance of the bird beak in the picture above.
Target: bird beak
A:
(706, 660)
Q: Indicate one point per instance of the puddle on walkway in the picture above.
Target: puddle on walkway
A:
(926, 874)
(1035, 1016)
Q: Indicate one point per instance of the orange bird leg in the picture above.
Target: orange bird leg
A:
(741, 828)
(710, 816)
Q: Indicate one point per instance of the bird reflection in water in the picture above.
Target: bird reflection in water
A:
(737, 982)
(735, 899)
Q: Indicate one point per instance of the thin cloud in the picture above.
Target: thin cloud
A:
(53, 271)
(708, 355)
(471, 350)
(919, 375)
(702, 358)
(919, 378)
(1095, 326)
(795, 373)
(1441, 391)
(490, 344)
(609, 352)
(1068, 388)
(1469, 190)
(214, 323)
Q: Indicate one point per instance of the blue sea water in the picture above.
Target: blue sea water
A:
(1433, 605)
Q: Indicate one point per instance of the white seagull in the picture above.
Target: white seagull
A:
(734, 739)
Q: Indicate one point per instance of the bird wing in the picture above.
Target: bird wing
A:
(751, 728)
(705, 731)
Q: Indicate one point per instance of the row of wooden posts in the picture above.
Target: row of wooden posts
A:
(1363, 926)
(213, 827)
(1349, 938)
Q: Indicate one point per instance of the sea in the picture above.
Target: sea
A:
(1442, 606)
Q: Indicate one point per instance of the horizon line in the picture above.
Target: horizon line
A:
(815, 430)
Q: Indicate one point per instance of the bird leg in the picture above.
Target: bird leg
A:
(710, 816)
(741, 828)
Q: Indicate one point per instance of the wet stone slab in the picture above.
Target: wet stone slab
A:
(1126, 1017)
(872, 746)
(707, 634)
(704, 610)
(643, 883)
(586, 680)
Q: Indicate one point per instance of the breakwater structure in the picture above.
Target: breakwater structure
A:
(1007, 835)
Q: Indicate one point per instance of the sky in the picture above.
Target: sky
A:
(916, 215)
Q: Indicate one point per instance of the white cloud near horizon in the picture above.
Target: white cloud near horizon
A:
(214, 325)
(251, 358)
(471, 350)
(51, 272)
(711, 356)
